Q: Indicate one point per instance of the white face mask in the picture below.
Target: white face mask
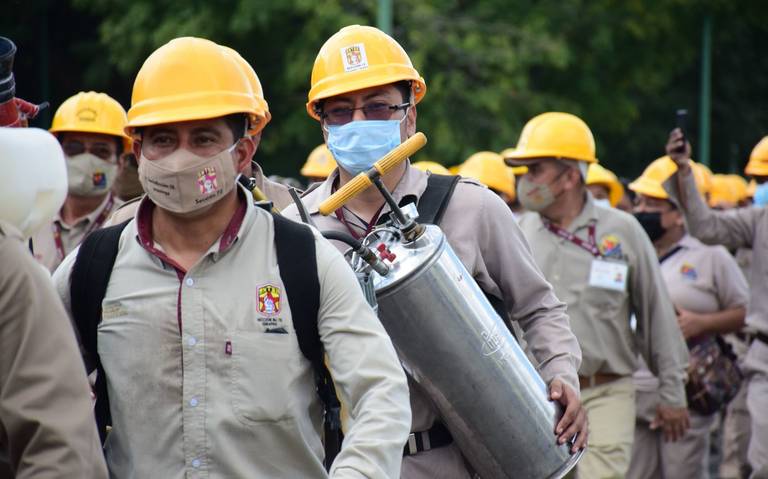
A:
(183, 182)
(89, 175)
(604, 202)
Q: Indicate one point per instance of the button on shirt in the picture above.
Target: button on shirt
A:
(739, 228)
(44, 241)
(204, 372)
(600, 317)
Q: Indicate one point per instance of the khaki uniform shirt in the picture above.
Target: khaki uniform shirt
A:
(277, 193)
(739, 228)
(204, 372)
(44, 241)
(482, 231)
(47, 429)
(702, 279)
(601, 317)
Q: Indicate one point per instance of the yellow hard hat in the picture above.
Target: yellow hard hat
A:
(703, 177)
(553, 135)
(91, 112)
(516, 170)
(432, 167)
(751, 188)
(359, 57)
(758, 160)
(192, 79)
(320, 163)
(727, 190)
(488, 168)
(598, 175)
(253, 79)
(650, 183)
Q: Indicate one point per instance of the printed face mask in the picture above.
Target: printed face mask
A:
(183, 182)
(89, 175)
(357, 145)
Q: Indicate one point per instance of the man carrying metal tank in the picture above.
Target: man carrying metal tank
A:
(602, 264)
(364, 94)
(738, 228)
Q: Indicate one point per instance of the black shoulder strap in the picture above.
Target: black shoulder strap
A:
(88, 285)
(434, 200)
(296, 258)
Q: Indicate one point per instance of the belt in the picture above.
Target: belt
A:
(762, 337)
(437, 436)
(597, 379)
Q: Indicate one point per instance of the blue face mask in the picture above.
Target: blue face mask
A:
(357, 145)
(761, 195)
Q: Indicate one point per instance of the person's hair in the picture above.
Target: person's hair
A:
(236, 123)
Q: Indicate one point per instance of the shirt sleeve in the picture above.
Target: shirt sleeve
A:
(365, 368)
(733, 228)
(46, 416)
(659, 338)
(730, 285)
(528, 297)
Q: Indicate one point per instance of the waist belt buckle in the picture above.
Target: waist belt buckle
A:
(412, 449)
(413, 443)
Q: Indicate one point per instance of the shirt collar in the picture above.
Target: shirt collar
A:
(231, 233)
(90, 217)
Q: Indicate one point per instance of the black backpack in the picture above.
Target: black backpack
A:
(295, 245)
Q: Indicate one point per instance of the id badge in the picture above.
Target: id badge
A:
(609, 275)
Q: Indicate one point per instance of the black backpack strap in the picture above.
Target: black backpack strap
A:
(434, 200)
(88, 285)
(296, 258)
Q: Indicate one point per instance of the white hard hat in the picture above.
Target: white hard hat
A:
(34, 178)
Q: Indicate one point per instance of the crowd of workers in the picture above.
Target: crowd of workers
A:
(643, 304)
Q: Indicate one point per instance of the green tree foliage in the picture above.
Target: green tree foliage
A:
(623, 65)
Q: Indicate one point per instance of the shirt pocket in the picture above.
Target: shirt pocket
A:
(262, 368)
(604, 304)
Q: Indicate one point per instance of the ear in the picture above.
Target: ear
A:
(410, 122)
(136, 147)
(244, 152)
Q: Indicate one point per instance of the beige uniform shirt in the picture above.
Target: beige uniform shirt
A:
(277, 193)
(702, 279)
(740, 228)
(44, 241)
(601, 317)
(204, 371)
(47, 429)
(482, 231)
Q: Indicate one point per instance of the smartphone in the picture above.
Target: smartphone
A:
(681, 121)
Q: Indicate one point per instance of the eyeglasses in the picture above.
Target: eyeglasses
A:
(372, 111)
(103, 151)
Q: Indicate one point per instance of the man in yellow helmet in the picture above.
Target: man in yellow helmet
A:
(201, 340)
(739, 228)
(89, 127)
(605, 187)
(364, 94)
(602, 264)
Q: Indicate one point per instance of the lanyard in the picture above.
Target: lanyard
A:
(95, 225)
(590, 245)
(369, 226)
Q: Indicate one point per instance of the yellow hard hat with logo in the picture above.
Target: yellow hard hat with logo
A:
(359, 57)
(192, 78)
(432, 167)
(553, 135)
(319, 164)
(598, 175)
(488, 168)
(651, 182)
(91, 112)
(758, 160)
(253, 79)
